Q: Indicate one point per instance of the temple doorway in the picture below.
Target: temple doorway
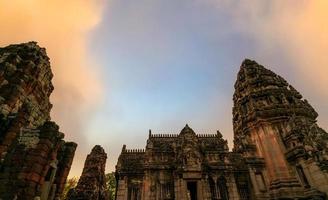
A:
(192, 190)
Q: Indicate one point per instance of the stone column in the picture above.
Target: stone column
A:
(47, 185)
(232, 188)
(200, 194)
(254, 182)
(146, 187)
(181, 190)
(65, 158)
(314, 175)
(206, 189)
(122, 193)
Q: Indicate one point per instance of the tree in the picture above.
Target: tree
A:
(70, 184)
(111, 185)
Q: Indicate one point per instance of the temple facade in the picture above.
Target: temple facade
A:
(279, 151)
(182, 166)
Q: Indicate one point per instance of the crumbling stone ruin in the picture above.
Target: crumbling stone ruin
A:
(279, 151)
(34, 158)
(92, 183)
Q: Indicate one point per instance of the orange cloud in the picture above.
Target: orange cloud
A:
(308, 33)
(61, 27)
(299, 28)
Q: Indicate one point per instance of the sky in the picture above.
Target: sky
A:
(123, 67)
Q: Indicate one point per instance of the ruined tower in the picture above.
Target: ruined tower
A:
(34, 158)
(275, 130)
(92, 183)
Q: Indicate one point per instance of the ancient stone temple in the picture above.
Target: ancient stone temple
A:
(92, 183)
(279, 151)
(182, 166)
(34, 158)
(276, 132)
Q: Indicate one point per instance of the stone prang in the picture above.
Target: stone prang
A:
(34, 158)
(92, 183)
(273, 122)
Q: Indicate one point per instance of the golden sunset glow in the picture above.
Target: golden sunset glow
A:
(121, 68)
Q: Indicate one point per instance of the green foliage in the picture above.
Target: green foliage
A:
(70, 184)
(111, 185)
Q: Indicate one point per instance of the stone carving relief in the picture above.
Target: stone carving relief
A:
(29, 137)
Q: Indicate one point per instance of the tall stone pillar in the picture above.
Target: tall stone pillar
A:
(206, 188)
(122, 189)
(232, 188)
(180, 189)
(65, 159)
(146, 186)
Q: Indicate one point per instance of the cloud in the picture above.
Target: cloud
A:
(61, 27)
(295, 31)
(299, 28)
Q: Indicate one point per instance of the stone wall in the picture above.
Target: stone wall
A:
(25, 87)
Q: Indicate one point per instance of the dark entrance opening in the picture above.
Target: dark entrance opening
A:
(192, 190)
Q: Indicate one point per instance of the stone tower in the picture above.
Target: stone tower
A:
(34, 158)
(92, 183)
(276, 131)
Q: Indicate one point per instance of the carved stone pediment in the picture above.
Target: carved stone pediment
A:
(190, 150)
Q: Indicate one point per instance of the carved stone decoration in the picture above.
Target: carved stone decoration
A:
(177, 166)
(190, 152)
(271, 121)
(92, 183)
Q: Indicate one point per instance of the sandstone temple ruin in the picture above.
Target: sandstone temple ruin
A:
(34, 158)
(279, 151)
